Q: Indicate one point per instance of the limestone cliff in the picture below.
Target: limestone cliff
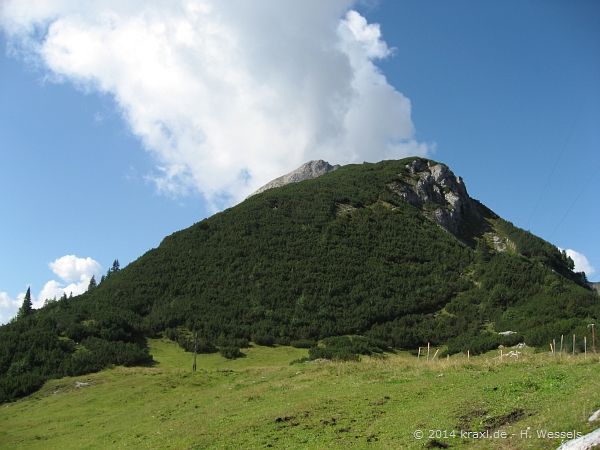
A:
(308, 171)
(442, 196)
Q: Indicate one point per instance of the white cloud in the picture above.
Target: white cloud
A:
(75, 271)
(75, 274)
(9, 307)
(71, 268)
(52, 290)
(226, 95)
(581, 262)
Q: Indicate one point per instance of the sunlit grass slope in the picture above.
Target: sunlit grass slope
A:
(261, 401)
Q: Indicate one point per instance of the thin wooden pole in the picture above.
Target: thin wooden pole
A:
(428, 347)
(468, 355)
(573, 345)
(593, 339)
(554, 343)
(562, 338)
(585, 347)
(419, 354)
(436, 352)
(195, 349)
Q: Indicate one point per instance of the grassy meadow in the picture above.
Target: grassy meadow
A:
(261, 401)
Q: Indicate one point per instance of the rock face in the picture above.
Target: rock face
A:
(595, 286)
(442, 196)
(308, 171)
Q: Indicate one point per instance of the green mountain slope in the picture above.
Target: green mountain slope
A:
(396, 251)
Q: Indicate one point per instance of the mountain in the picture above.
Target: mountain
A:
(396, 252)
(307, 171)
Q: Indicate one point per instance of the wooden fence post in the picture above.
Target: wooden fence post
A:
(195, 349)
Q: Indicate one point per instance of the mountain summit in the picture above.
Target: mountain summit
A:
(431, 187)
(307, 171)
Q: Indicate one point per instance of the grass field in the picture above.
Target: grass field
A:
(261, 401)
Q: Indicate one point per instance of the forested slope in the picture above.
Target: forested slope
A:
(343, 254)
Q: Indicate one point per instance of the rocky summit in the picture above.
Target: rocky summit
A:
(308, 171)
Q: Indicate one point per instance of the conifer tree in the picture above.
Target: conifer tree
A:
(92, 284)
(483, 250)
(27, 306)
(115, 268)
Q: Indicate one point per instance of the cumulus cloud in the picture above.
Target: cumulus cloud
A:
(226, 95)
(75, 274)
(9, 306)
(581, 262)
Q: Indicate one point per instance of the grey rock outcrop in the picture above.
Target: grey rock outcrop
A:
(308, 171)
(585, 442)
(442, 196)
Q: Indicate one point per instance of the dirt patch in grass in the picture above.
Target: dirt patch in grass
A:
(465, 421)
(495, 422)
(284, 419)
(480, 418)
(434, 443)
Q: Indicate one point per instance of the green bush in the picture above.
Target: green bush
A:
(231, 352)
(283, 340)
(320, 353)
(263, 339)
(77, 332)
(303, 343)
(346, 355)
(355, 344)
(226, 341)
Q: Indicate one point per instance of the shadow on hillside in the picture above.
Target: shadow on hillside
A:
(474, 226)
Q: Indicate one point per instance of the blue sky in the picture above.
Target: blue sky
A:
(120, 125)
